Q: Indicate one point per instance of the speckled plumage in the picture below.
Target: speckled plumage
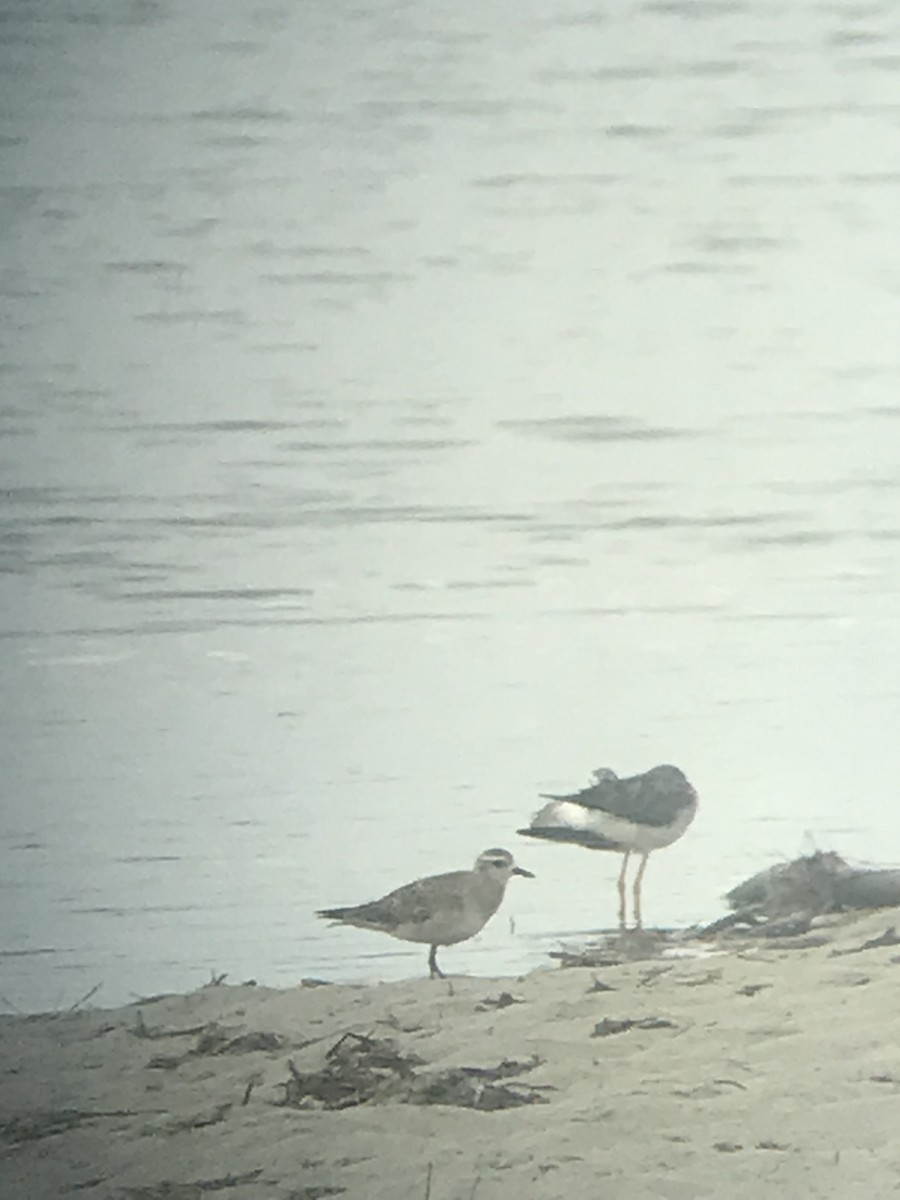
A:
(439, 910)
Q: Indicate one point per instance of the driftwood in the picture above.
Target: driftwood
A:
(795, 892)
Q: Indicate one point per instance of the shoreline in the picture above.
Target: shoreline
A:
(677, 1077)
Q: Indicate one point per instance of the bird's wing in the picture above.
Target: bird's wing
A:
(412, 904)
(653, 798)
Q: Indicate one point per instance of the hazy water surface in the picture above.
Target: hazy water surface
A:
(407, 408)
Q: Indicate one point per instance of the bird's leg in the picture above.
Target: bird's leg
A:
(637, 891)
(621, 886)
(436, 972)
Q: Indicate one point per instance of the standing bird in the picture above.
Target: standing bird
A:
(642, 813)
(440, 910)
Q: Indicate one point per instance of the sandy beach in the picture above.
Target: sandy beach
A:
(735, 1069)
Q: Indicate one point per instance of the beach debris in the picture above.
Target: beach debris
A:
(142, 1030)
(811, 941)
(599, 986)
(504, 1000)
(357, 1067)
(723, 924)
(217, 1041)
(788, 927)
(783, 900)
(888, 938)
(708, 1090)
(360, 1069)
(590, 956)
(617, 947)
(612, 1025)
(214, 1040)
(89, 995)
(479, 1087)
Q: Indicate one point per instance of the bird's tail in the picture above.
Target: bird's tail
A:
(332, 914)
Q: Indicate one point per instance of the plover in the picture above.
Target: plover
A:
(439, 910)
(641, 813)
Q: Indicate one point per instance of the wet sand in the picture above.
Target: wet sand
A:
(755, 1068)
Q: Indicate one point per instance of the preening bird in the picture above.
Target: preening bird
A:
(641, 813)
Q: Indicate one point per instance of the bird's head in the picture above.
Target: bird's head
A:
(499, 864)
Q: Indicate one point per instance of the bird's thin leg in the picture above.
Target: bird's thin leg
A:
(436, 972)
(637, 891)
(621, 886)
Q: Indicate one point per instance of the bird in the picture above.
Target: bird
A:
(439, 910)
(641, 813)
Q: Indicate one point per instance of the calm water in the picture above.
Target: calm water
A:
(410, 407)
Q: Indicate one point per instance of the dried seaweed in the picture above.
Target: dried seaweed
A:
(218, 1041)
(504, 1000)
(360, 1069)
(612, 1025)
(356, 1068)
(615, 948)
(213, 1040)
(459, 1089)
(812, 884)
(479, 1087)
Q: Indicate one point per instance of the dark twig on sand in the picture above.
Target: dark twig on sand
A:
(84, 999)
(142, 1030)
